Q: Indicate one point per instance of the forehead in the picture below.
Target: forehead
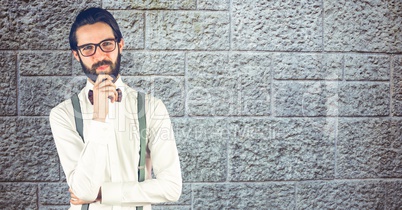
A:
(93, 33)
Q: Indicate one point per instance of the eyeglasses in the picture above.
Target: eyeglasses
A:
(107, 45)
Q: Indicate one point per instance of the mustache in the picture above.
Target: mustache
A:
(101, 63)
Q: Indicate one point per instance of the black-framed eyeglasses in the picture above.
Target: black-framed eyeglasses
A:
(107, 45)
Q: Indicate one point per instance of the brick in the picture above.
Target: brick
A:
(143, 84)
(54, 194)
(207, 137)
(57, 207)
(18, 196)
(368, 148)
(287, 66)
(40, 25)
(313, 99)
(362, 26)
(32, 155)
(244, 196)
(131, 25)
(45, 63)
(341, 195)
(186, 195)
(209, 64)
(283, 149)
(364, 99)
(171, 207)
(394, 193)
(367, 67)
(277, 25)
(77, 69)
(149, 4)
(40, 94)
(26, 156)
(169, 89)
(152, 63)
(213, 96)
(187, 30)
(397, 86)
(213, 4)
(9, 148)
(236, 84)
(8, 84)
(8, 34)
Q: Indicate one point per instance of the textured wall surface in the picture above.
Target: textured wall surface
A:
(275, 104)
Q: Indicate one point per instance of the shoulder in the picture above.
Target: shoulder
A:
(63, 112)
(61, 107)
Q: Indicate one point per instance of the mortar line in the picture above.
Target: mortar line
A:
(192, 196)
(38, 204)
(391, 84)
(145, 31)
(322, 26)
(222, 51)
(295, 197)
(18, 83)
(238, 89)
(186, 110)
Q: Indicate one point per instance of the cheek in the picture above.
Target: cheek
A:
(87, 62)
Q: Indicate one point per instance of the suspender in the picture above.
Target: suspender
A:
(143, 137)
(79, 125)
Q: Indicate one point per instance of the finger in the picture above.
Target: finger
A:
(71, 193)
(111, 94)
(102, 77)
(105, 83)
(73, 196)
(76, 201)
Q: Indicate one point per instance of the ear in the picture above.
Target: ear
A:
(76, 56)
(121, 45)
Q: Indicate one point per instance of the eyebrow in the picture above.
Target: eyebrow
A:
(96, 43)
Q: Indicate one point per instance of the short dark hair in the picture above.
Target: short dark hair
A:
(92, 16)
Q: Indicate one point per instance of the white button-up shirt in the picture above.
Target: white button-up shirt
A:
(108, 160)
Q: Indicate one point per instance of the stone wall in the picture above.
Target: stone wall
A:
(275, 104)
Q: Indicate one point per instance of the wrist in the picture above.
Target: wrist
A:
(99, 118)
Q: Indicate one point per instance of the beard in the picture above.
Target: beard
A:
(114, 67)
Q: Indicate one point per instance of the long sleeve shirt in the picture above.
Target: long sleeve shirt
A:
(108, 160)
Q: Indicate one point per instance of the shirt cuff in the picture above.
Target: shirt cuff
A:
(112, 192)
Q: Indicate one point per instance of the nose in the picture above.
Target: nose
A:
(99, 54)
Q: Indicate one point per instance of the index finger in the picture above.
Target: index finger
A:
(102, 77)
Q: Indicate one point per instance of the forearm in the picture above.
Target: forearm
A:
(167, 189)
(84, 164)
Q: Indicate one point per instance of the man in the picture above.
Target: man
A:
(103, 171)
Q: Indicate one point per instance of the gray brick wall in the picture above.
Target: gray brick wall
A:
(275, 104)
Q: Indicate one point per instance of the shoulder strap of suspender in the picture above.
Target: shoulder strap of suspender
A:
(143, 137)
(79, 125)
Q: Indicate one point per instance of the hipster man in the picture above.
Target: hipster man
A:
(102, 166)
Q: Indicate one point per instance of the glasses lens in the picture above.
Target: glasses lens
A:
(87, 50)
(108, 45)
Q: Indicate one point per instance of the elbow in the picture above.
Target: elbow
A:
(86, 193)
(175, 192)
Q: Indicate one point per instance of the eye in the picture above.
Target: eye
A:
(107, 43)
(87, 48)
